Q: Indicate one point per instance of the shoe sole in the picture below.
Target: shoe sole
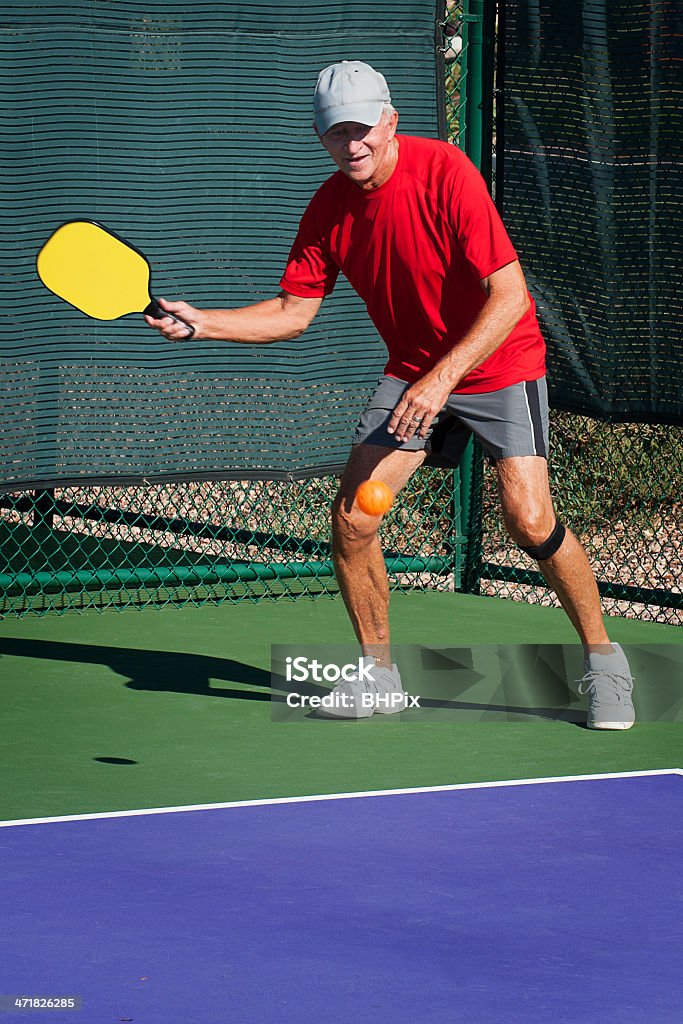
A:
(324, 713)
(389, 711)
(327, 713)
(615, 726)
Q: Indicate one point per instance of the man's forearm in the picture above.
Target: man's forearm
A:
(262, 323)
(498, 317)
(285, 316)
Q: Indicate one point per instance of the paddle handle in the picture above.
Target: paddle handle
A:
(155, 310)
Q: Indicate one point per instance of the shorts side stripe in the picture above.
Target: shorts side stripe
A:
(533, 406)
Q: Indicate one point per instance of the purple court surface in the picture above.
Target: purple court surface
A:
(553, 902)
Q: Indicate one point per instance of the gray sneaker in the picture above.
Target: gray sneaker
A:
(381, 693)
(608, 684)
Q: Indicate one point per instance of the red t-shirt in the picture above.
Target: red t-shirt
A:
(415, 249)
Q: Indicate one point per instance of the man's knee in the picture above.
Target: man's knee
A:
(535, 528)
(528, 522)
(548, 547)
(350, 526)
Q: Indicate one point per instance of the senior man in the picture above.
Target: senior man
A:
(410, 224)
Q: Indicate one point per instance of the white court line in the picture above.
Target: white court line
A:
(337, 796)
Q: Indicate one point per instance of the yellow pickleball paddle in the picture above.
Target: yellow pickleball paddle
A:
(98, 272)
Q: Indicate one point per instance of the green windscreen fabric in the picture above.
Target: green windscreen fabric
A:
(591, 179)
(186, 128)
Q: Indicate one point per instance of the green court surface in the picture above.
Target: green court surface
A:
(123, 710)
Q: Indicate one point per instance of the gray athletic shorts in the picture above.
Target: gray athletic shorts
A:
(509, 422)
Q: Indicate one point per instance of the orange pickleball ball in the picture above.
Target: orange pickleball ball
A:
(374, 497)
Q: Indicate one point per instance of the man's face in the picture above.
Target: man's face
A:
(366, 155)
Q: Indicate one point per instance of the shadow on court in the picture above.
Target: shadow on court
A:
(448, 675)
(155, 671)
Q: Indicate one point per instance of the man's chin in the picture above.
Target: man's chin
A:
(358, 175)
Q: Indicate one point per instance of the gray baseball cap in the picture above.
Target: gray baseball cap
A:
(349, 91)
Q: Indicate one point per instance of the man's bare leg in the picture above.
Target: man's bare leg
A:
(528, 512)
(358, 560)
(529, 516)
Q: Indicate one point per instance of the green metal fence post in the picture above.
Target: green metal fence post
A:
(476, 98)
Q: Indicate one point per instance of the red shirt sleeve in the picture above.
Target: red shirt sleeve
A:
(310, 269)
(477, 224)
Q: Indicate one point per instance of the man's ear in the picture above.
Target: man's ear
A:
(316, 132)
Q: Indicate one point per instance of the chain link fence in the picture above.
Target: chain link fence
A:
(178, 543)
(618, 486)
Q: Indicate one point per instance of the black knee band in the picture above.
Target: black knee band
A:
(548, 548)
